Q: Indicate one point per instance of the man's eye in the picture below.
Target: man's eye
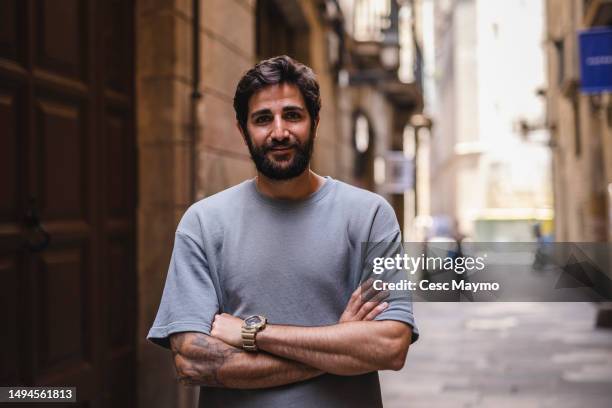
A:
(293, 115)
(262, 119)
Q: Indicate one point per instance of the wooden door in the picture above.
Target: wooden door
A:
(67, 173)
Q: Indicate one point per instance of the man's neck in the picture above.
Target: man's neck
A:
(296, 188)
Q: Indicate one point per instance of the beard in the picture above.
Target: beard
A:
(282, 169)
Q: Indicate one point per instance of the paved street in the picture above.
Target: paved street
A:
(504, 355)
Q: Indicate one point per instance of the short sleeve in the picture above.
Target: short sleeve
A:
(189, 301)
(386, 241)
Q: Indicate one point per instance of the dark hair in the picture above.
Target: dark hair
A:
(273, 71)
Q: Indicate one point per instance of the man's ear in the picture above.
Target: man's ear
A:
(316, 127)
(244, 139)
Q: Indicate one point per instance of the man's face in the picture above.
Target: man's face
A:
(280, 138)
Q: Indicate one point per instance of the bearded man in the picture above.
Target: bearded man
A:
(266, 302)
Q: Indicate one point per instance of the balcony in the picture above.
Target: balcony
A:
(373, 35)
(382, 47)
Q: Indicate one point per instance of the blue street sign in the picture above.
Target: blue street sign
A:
(596, 60)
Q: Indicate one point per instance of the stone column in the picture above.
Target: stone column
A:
(163, 89)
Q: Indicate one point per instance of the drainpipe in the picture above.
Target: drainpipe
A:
(195, 98)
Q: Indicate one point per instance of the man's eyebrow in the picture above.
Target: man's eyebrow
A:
(293, 107)
(267, 111)
(261, 112)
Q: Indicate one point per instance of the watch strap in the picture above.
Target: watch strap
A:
(248, 339)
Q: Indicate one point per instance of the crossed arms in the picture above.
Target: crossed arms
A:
(288, 354)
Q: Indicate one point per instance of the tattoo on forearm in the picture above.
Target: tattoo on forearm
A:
(202, 358)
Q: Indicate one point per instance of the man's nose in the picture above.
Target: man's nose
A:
(279, 130)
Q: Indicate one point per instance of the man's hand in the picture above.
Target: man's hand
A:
(364, 304)
(228, 329)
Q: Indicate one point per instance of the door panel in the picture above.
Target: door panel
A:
(61, 36)
(12, 25)
(9, 336)
(9, 153)
(119, 164)
(62, 158)
(63, 305)
(116, 19)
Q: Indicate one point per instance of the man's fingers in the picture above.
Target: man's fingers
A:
(356, 299)
(367, 307)
(364, 287)
(369, 294)
(380, 296)
(364, 303)
(376, 311)
(364, 310)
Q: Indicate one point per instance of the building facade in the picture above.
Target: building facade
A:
(580, 126)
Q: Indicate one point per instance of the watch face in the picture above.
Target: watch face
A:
(253, 321)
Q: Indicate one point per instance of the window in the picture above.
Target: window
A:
(363, 141)
(277, 34)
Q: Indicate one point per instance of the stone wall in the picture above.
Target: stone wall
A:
(163, 88)
(227, 52)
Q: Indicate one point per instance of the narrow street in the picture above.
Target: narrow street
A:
(504, 355)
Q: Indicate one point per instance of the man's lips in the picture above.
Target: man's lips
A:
(280, 149)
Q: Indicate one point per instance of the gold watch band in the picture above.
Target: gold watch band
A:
(250, 327)
(248, 339)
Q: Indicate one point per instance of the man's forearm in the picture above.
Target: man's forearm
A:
(204, 360)
(344, 349)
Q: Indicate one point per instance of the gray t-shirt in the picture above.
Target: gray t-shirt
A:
(295, 262)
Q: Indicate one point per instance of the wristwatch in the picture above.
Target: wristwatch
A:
(251, 326)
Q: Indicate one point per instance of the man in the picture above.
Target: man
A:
(263, 305)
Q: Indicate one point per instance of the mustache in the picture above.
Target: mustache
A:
(276, 145)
